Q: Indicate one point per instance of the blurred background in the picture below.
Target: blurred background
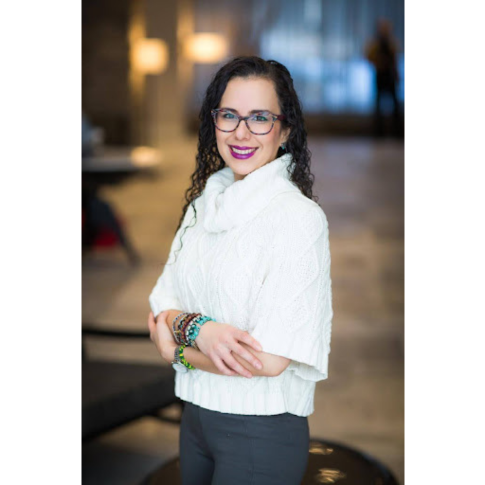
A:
(145, 67)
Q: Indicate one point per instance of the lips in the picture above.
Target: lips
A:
(242, 153)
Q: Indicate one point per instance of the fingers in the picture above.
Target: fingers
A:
(221, 366)
(247, 339)
(151, 324)
(246, 355)
(235, 365)
(162, 317)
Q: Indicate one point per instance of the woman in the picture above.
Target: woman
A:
(253, 270)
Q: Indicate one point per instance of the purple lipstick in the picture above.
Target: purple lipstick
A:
(242, 153)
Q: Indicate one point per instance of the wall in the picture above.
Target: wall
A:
(105, 67)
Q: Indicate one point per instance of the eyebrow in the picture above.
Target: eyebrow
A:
(251, 112)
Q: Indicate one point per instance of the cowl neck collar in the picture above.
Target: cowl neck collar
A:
(228, 203)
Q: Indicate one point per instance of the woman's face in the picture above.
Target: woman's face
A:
(245, 95)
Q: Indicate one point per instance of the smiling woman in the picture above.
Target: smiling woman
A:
(243, 308)
(256, 141)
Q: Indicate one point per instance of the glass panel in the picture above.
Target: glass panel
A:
(321, 42)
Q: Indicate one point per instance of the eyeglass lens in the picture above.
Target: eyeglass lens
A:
(259, 123)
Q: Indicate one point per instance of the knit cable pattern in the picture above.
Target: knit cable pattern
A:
(258, 258)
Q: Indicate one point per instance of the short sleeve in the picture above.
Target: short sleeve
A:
(164, 296)
(293, 313)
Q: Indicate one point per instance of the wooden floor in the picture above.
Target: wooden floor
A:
(360, 185)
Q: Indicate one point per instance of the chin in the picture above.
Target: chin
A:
(238, 173)
(241, 168)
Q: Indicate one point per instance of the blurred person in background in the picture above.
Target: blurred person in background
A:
(244, 312)
(382, 52)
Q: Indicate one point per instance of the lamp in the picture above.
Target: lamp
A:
(150, 56)
(205, 48)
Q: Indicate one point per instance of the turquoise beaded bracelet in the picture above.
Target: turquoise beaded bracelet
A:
(193, 332)
(194, 329)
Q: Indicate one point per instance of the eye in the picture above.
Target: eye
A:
(260, 118)
(227, 116)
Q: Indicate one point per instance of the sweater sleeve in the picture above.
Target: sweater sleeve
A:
(293, 313)
(164, 296)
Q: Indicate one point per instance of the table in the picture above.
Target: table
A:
(114, 159)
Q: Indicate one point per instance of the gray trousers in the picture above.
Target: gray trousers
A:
(234, 449)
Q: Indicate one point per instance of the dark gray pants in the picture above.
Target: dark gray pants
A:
(234, 449)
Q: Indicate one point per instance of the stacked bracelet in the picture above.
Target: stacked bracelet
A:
(186, 328)
(194, 329)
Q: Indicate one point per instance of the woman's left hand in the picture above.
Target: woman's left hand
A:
(162, 336)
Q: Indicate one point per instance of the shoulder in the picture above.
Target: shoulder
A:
(294, 219)
(291, 208)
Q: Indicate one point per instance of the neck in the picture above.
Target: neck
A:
(228, 204)
(238, 176)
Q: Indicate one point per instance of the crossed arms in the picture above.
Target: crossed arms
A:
(224, 349)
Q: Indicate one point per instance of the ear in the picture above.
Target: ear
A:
(285, 134)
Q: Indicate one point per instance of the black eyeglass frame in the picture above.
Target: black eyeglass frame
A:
(245, 119)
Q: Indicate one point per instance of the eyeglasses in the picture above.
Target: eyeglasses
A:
(260, 123)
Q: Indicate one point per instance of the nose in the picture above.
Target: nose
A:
(242, 132)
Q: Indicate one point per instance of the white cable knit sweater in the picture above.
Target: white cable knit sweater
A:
(256, 257)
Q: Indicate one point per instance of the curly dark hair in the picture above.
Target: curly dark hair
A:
(208, 159)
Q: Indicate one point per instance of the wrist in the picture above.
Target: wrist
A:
(168, 352)
(202, 332)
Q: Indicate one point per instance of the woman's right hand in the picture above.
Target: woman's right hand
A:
(218, 340)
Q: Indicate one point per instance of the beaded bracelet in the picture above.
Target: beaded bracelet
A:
(187, 329)
(180, 359)
(175, 321)
(185, 326)
(179, 331)
(178, 328)
(194, 330)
